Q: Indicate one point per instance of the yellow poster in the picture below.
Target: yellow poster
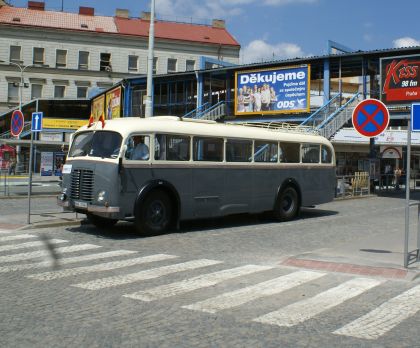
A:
(113, 103)
(98, 108)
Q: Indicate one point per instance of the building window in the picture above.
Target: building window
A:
(105, 64)
(36, 92)
(59, 91)
(83, 60)
(171, 65)
(13, 92)
(155, 61)
(81, 92)
(15, 54)
(190, 65)
(61, 59)
(38, 55)
(133, 63)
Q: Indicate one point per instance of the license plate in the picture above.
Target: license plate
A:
(80, 204)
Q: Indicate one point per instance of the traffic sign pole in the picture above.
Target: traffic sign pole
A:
(407, 194)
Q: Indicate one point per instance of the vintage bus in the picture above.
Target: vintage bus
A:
(159, 171)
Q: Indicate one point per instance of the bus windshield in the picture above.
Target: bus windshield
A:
(104, 144)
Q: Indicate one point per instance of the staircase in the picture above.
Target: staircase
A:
(320, 115)
(206, 112)
(339, 118)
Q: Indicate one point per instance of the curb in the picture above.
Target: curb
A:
(55, 223)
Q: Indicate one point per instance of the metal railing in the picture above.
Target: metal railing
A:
(339, 118)
(323, 112)
(196, 113)
(280, 127)
(214, 112)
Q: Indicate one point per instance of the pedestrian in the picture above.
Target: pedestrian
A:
(12, 167)
(397, 175)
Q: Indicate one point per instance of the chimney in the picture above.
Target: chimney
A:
(36, 5)
(86, 11)
(145, 16)
(218, 23)
(122, 13)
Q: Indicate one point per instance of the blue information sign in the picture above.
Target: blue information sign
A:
(37, 121)
(415, 117)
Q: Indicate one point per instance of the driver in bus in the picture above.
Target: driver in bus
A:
(137, 148)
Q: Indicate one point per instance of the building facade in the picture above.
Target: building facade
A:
(49, 54)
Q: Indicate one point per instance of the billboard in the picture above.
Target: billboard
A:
(97, 110)
(113, 103)
(272, 91)
(400, 79)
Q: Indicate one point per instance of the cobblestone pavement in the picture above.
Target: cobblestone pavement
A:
(220, 283)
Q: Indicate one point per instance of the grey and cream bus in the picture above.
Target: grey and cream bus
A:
(162, 170)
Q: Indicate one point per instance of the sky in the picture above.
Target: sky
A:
(281, 29)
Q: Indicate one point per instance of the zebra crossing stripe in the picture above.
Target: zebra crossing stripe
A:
(29, 245)
(187, 285)
(241, 296)
(100, 267)
(65, 261)
(17, 237)
(385, 317)
(42, 253)
(144, 275)
(303, 310)
(3, 232)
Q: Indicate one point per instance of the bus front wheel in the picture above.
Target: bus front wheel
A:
(100, 222)
(154, 214)
(287, 206)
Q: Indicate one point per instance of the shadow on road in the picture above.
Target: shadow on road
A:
(124, 230)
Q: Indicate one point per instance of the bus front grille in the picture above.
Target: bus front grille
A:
(82, 185)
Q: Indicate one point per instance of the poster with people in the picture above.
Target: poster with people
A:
(272, 91)
(113, 103)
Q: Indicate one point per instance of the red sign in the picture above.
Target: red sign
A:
(16, 123)
(401, 79)
(370, 117)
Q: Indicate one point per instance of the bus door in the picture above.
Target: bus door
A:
(208, 176)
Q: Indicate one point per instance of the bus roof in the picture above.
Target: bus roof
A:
(177, 125)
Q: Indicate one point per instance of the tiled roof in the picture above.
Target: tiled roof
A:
(176, 31)
(124, 26)
(58, 20)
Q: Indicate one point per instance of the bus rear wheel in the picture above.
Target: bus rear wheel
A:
(100, 221)
(154, 215)
(287, 206)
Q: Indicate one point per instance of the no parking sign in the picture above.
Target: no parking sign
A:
(16, 123)
(370, 117)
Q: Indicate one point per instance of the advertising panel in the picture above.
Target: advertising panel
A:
(47, 163)
(98, 106)
(400, 79)
(113, 103)
(272, 91)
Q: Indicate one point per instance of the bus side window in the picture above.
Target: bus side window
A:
(265, 151)
(208, 149)
(310, 153)
(326, 154)
(238, 150)
(291, 152)
(170, 147)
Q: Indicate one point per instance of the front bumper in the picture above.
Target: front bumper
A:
(101, 210)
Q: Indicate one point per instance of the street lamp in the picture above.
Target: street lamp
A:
(149, 104)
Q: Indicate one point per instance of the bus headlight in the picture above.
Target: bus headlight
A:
(101, 196)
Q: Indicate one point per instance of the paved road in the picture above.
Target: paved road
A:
(221, 283)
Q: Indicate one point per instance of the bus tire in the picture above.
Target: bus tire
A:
(100, 221)
(154, 214)
(287, 205)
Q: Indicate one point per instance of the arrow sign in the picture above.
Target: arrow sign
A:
(37, 121)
